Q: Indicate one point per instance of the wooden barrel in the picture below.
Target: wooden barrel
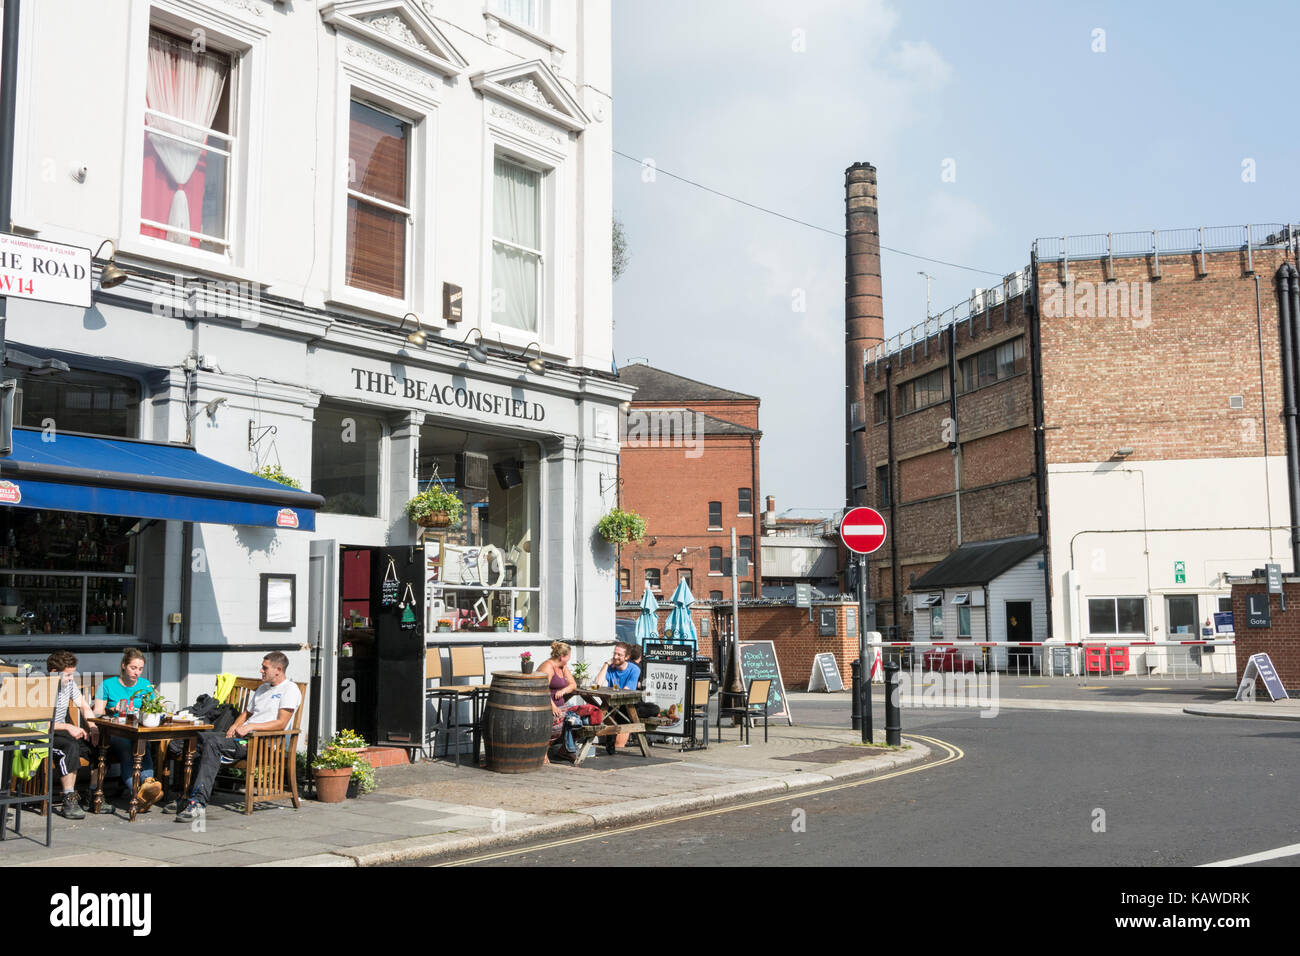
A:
(517, 721)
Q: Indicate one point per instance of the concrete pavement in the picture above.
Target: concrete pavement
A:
(434, 810)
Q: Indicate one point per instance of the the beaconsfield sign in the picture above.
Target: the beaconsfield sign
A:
(48, 271)
(449, 396)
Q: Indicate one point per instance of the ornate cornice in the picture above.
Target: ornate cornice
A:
(524, 123)
(395, 27)
(390, 65)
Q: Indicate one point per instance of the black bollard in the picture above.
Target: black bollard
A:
(893, 712)
(855, 684)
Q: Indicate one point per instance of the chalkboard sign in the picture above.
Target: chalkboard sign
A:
(825, 674)
(391, 585)
(757, 661)
(1261, 666)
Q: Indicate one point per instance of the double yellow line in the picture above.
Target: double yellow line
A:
(952, 753)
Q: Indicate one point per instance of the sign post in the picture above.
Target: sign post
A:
(863, 532)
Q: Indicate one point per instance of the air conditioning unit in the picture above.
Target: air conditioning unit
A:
(472, 471)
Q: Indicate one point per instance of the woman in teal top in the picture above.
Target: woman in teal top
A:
(123, 695)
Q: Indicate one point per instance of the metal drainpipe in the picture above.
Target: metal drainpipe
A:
(1040, 435)
(1287, 289)
(755, 549)
(955, 444)
(893, 493)
(1263, 411)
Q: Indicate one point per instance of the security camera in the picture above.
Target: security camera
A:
(79, 173)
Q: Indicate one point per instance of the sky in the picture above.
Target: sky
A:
(990, 125)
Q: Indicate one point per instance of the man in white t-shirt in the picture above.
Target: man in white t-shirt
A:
(271, 708)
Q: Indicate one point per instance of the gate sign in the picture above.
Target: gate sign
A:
(1274, 572)
(1261, 666)
(863, 530)
(48, 271)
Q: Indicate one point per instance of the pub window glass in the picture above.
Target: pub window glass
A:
(345, 461)
(715, 514)
(90, 403)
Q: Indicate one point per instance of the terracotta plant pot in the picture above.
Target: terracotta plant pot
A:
(332, 785)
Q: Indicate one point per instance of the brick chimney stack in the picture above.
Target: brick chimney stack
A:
(864, 320)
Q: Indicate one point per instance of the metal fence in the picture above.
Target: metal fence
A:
(1084, 660)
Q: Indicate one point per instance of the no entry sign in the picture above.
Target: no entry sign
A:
(863, 530)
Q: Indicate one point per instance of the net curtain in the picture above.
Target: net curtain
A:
(187, 85)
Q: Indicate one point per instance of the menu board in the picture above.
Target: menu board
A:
(665, 685)
(757, 661)
(825, 674)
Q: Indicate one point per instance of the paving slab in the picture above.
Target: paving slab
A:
(1249, 709)
(434, 810)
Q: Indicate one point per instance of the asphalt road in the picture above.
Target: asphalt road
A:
(1044, 788)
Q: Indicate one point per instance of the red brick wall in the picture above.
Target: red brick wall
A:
(925, 476)
(1163, 387)
(1280, 641)
(672, 492)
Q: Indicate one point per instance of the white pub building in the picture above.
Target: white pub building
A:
(367, 247)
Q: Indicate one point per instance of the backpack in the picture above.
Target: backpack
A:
(221, 716)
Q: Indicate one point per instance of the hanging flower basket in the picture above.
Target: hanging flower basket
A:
(435, 508)
(621, 527)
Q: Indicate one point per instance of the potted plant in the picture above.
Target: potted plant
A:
(580, 673)
(435, 508)
(346, 649)
(11, 625)
(501, 623)
(151, 709)
(362, 780)
(276, 473)
(621, 527)
(444, 624)
(526, 662)
(331, 770)
(348, 740)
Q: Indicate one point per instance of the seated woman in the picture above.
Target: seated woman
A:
(122, 695)
(562, 685)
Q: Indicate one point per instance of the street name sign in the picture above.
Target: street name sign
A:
(1261, 666)
(46, 271)
(863, 530)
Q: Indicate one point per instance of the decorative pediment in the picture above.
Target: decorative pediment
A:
(402, 26)
(533, 87)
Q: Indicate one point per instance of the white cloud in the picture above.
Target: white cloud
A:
(921, 63)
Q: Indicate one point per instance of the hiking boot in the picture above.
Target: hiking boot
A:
(191, 812)
(71, 807)
(150, 792)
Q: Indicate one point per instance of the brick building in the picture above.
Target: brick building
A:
(689, 464)
(1120, 400)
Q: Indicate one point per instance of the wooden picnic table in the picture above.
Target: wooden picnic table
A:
(618, 716)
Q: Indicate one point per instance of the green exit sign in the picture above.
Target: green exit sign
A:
(1180, 572)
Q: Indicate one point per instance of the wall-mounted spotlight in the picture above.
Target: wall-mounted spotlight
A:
(110, 276)
(476, 352)
(417, 337)
(536, 366)
(1123, 452)
(212, 406)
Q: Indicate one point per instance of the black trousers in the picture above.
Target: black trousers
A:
(213, 745)
(67, 754)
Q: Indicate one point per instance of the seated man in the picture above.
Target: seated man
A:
(69, 739)
(618, 671)
(271, 707)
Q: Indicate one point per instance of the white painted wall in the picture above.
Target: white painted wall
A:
(1089, 502)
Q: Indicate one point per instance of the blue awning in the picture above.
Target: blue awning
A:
(141, 479)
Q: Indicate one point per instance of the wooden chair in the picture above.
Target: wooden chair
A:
(35, 786)
(272, 755)
(25, 700)
(272, 759)
(466, 662)
(700, 710)
(432, 672)
(755, 706)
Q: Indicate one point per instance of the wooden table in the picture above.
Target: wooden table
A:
(141, 738)
(618, 716)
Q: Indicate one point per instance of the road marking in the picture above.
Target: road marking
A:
(1027, 686)
(954, 753)
(1292, 850)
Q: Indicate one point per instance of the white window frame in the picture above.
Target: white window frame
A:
(244, 41)
(557, 318)
(417, 105)
(936, 614)
(543, 227)
(363, 198)
(538, 30)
